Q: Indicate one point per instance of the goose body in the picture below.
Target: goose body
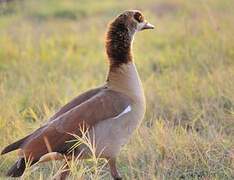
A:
(119, 129)
(109, 114)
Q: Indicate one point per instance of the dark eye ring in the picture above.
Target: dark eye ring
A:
(138, 17)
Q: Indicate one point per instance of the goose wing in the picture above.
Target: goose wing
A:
(52, 137)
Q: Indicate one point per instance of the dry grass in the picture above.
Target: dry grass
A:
(50, 51)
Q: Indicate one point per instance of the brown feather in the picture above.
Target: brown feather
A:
(118, 42)
(106, 104)
(75, 102)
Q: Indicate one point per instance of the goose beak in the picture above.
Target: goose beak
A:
(147, 26)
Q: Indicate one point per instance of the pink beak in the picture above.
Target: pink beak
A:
(147, 26)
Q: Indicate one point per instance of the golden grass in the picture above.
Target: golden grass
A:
(50, 51)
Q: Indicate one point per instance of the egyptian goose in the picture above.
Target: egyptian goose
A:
(109, 113)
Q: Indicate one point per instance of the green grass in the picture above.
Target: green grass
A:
(51, 51)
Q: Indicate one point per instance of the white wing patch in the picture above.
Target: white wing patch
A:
(126, 110)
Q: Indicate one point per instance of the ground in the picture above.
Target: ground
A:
(51, 51)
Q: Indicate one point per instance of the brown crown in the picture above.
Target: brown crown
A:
(118, 41)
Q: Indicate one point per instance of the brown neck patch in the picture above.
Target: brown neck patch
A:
(118, 43)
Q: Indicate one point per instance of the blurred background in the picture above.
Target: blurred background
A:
(52, 50)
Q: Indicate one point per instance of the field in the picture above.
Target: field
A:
(51, 51)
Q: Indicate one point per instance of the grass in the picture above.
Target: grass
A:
(50, 51)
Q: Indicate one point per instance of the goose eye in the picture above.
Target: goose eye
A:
(138, 17)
